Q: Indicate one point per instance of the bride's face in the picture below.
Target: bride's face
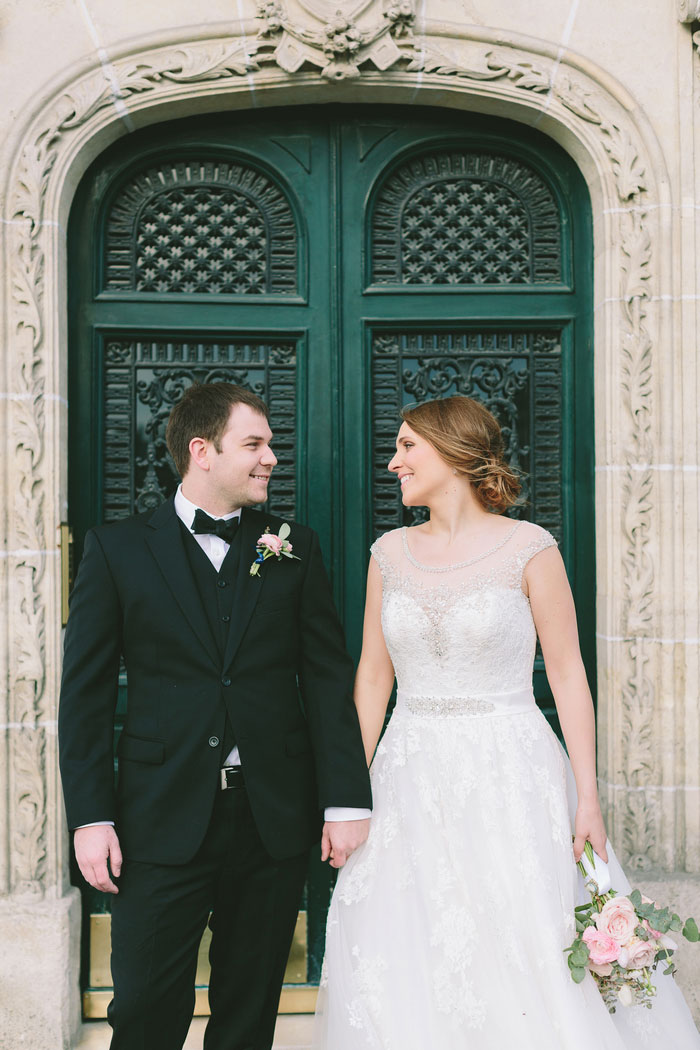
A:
(422, 473)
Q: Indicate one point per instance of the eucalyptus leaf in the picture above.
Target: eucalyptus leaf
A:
(578, 973)
(284, 531)
(690, 931)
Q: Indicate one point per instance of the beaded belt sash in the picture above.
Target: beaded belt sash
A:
(519, 702)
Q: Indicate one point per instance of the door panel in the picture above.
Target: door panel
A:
(144, 375)
(341, 262)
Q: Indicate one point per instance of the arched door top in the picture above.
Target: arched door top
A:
(193, 222)
(457, 216)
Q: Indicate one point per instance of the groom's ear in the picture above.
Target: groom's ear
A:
(199, 454)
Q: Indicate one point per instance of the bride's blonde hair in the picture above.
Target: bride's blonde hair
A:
(467, 436)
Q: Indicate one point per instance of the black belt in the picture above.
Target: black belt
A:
(231, 777)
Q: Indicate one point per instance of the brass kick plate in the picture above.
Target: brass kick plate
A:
(297, 996)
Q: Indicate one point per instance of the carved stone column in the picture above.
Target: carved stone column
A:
(39, 911)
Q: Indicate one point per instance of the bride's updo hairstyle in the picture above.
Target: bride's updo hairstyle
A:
(467, 436)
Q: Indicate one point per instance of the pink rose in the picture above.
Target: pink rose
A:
(638, 954)
(273, 543)
(601, 948)
(618, 919)
(603, 970)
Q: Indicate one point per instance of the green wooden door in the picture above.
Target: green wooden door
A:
(341, 262)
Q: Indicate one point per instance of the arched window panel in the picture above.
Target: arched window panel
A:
(201, 226)
(462, 217)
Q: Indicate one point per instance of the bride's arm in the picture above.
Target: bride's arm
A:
(375, 673)
(554, 614)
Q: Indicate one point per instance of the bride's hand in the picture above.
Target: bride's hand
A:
(589, 825)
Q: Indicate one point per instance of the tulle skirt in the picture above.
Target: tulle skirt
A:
(447, 929)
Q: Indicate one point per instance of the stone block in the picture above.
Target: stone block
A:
(39, 968)
(681, 893)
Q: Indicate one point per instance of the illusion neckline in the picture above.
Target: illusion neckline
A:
(457, 565)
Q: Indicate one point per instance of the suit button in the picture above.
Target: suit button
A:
(213, 741)
(226, 681)
(221, 583)
(226, 619)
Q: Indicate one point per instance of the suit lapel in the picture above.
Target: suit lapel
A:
(166, 545)
(247, 588)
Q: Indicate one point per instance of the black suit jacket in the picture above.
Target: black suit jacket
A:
(135, 595)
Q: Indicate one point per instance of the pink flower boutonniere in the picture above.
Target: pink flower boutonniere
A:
(271, 546)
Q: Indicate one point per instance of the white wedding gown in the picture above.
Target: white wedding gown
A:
(447, 928)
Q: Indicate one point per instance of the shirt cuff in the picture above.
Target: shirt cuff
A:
(334, 813)
(96, 824)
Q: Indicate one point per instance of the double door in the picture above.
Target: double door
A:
(342, 263)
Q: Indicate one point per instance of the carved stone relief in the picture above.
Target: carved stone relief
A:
(338, 44)
(689, 10)
(368, 36)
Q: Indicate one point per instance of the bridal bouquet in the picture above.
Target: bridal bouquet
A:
(621, 940)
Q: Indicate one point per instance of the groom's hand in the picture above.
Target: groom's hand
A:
(341, 838)
(94, 846)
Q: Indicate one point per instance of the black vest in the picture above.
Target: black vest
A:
(216, 592)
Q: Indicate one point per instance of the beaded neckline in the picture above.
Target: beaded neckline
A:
(457, 565)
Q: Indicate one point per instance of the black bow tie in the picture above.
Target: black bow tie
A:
(225, 528)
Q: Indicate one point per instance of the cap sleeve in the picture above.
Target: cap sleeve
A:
(539, 542)
(380, 552)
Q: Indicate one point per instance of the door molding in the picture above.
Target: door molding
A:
(579, 105)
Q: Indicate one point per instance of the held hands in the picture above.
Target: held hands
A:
(589, 825)
(94, 846)
(341, 838)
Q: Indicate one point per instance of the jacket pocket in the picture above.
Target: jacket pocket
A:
(298, 742)
(139, 749)
(276, 605)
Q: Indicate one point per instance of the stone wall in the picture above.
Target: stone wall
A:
(618, 86)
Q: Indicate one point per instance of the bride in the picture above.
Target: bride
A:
(447, 928)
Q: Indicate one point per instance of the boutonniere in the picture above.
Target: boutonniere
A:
(271, 546)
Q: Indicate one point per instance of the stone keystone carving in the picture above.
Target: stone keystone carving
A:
(337, 44)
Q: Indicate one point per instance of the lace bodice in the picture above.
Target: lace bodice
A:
(465, 630)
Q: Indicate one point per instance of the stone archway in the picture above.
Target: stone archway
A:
(375, 56)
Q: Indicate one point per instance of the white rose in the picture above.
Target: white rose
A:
(625, 995)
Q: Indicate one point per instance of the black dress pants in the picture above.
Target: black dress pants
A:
(158, 918)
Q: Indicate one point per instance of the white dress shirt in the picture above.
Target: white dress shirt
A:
(216, 549)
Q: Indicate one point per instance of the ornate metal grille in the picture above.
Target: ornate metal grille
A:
(201, 226)
(143, 378)
(464, 218)
(517, 375)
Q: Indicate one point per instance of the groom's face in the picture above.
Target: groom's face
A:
(241, 470)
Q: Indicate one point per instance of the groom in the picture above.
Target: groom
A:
(240, 731)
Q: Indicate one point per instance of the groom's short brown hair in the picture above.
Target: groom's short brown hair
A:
(203, 411)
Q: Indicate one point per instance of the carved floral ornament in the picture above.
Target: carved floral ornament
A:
(340, 47)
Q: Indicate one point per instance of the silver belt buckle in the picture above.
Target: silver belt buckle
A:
(222, 776)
